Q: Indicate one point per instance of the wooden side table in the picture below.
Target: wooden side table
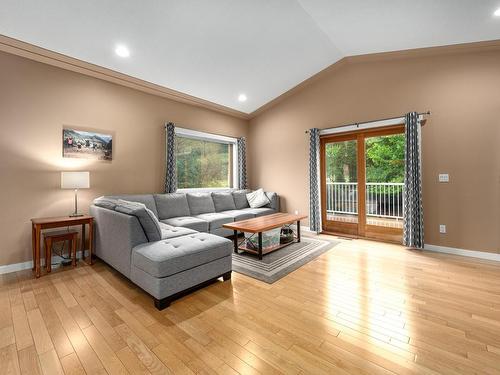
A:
(54, 237)
(39, 224)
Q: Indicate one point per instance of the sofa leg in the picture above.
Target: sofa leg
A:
(163, 303)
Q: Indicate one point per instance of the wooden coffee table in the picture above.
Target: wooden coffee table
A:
(262, 224)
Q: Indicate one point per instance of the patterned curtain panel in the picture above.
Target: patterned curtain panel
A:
(171, 177)
(413, 230)
(242, 163)
(314, 191)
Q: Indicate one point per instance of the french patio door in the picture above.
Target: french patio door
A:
(362, 183)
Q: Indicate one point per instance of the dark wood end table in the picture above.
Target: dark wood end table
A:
(39, 224)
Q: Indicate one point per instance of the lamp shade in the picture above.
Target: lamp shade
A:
(75, 180)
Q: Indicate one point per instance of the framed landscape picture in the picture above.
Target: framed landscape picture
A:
(87, 145)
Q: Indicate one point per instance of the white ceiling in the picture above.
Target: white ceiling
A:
(217, 49)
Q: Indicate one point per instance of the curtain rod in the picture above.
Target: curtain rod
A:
(367, 122)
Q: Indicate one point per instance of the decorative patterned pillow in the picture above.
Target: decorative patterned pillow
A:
(257, 198)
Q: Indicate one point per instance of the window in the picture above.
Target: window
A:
(205, 161)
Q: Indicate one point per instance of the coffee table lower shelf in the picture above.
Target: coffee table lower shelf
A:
(264, 250)
(269, 249)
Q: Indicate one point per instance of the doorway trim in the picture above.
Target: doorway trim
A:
(361, 228)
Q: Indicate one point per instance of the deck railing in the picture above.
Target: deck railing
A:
(383, 199)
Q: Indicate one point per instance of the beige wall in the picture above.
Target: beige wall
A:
(461, 137)
(36, 100)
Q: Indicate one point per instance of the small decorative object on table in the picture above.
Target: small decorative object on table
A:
(286, 235)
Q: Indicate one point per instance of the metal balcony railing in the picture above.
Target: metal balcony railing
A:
(383, 199)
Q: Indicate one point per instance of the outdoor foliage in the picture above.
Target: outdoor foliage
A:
(202, 163)
(384, 160)
(341, 161)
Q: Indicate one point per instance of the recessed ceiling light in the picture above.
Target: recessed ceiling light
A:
(242, 98)
(497, 13)
(122, 50)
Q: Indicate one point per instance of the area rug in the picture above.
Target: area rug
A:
(281, 262)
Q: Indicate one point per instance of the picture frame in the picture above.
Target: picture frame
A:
(86, 144)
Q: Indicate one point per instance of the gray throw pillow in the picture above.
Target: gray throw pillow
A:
(171, 205)
(240, 199)
(200, 203)
(223, 201)
(146, 217)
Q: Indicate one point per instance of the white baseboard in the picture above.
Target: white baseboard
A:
(463, 252)
(443, 249)
(8, 268)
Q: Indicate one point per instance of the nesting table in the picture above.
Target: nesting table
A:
(39, 224)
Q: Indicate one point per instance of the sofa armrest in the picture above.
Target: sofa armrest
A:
(115, 236)
(275, 200)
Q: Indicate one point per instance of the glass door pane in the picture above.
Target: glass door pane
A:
(384, 158)
(341, 174)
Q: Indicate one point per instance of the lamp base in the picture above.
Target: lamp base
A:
(75, 215)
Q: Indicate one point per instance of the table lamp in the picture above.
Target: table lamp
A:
(75, 180)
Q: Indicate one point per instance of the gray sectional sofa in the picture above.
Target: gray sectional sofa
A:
(170, 244)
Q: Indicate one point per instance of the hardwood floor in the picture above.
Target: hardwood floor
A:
(362, 308)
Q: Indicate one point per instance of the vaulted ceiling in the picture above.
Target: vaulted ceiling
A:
(219, 49)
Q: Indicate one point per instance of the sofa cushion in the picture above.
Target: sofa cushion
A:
(223, 232)
(215, 219)
(257, 198)
(240, 199)
(188, 222)
(148, 220)
(171, 205)
(262, 211)
(106, 202)
(223, 201)
(200, 203)
(239, 215)
(171, 256)
(146, 199)
(274, 202)
(168, 231)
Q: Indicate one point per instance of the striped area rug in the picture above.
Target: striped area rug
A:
(281, 262)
